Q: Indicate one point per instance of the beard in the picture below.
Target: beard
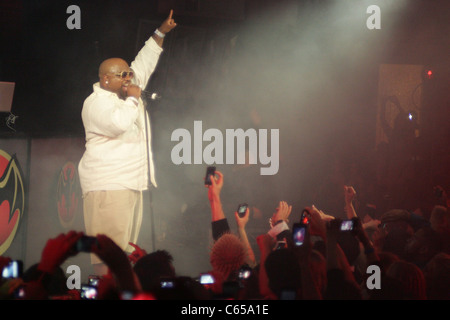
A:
(123, 92)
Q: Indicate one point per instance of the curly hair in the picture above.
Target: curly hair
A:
(227, 254)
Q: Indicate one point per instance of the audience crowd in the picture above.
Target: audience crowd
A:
(400, 255)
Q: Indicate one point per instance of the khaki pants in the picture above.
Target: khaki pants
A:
(114, 213)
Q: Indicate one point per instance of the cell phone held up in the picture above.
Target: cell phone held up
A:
(206, 279)
(305, 217)
(85, 244)
(88, 292)
(242, 209)
(299, 234)
(210, 172)
(347, 225)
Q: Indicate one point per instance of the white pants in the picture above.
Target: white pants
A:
(114, 213)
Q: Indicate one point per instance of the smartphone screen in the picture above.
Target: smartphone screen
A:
(88, 292)
(298, 234)
(347, 225)
(245, 273)
(242, 209)
(167, 284)
(206, 279)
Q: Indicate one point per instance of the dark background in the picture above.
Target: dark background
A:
(54, 67)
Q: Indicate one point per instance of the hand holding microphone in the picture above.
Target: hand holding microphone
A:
(134, 91)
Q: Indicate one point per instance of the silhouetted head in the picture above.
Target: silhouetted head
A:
(283, 271)
(152, 267)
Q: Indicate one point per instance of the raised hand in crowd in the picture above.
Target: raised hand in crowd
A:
(318, 222)
(136, 254)
(46, 274)
(282, 213)
(57, 250)
(117, 261)
(349, 196)
(336, 258)
(362, 236)
(241, 222)
(214, 190)
(310, 290)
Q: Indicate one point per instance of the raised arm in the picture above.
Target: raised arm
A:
(214, 197)
(57, 250)
(241, 223)
(349, 195)
(335, 256)
(146, 60)
(117, 261)
(165, 27)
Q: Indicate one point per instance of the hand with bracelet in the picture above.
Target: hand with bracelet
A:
(164, 28)
(318, 221)
(281, 214)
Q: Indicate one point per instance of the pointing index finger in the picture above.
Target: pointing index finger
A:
(170, 14)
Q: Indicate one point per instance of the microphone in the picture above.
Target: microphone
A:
(151, 95)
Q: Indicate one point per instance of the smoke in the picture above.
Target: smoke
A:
(307, 69)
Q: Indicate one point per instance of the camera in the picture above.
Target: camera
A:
(88, 292)
(347, 225)
(210, 171)
(13, 270)
(85, 243)
(206, 279)
(242, 209)
(298, 234)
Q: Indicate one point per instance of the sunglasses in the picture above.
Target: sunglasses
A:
(125, 74)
